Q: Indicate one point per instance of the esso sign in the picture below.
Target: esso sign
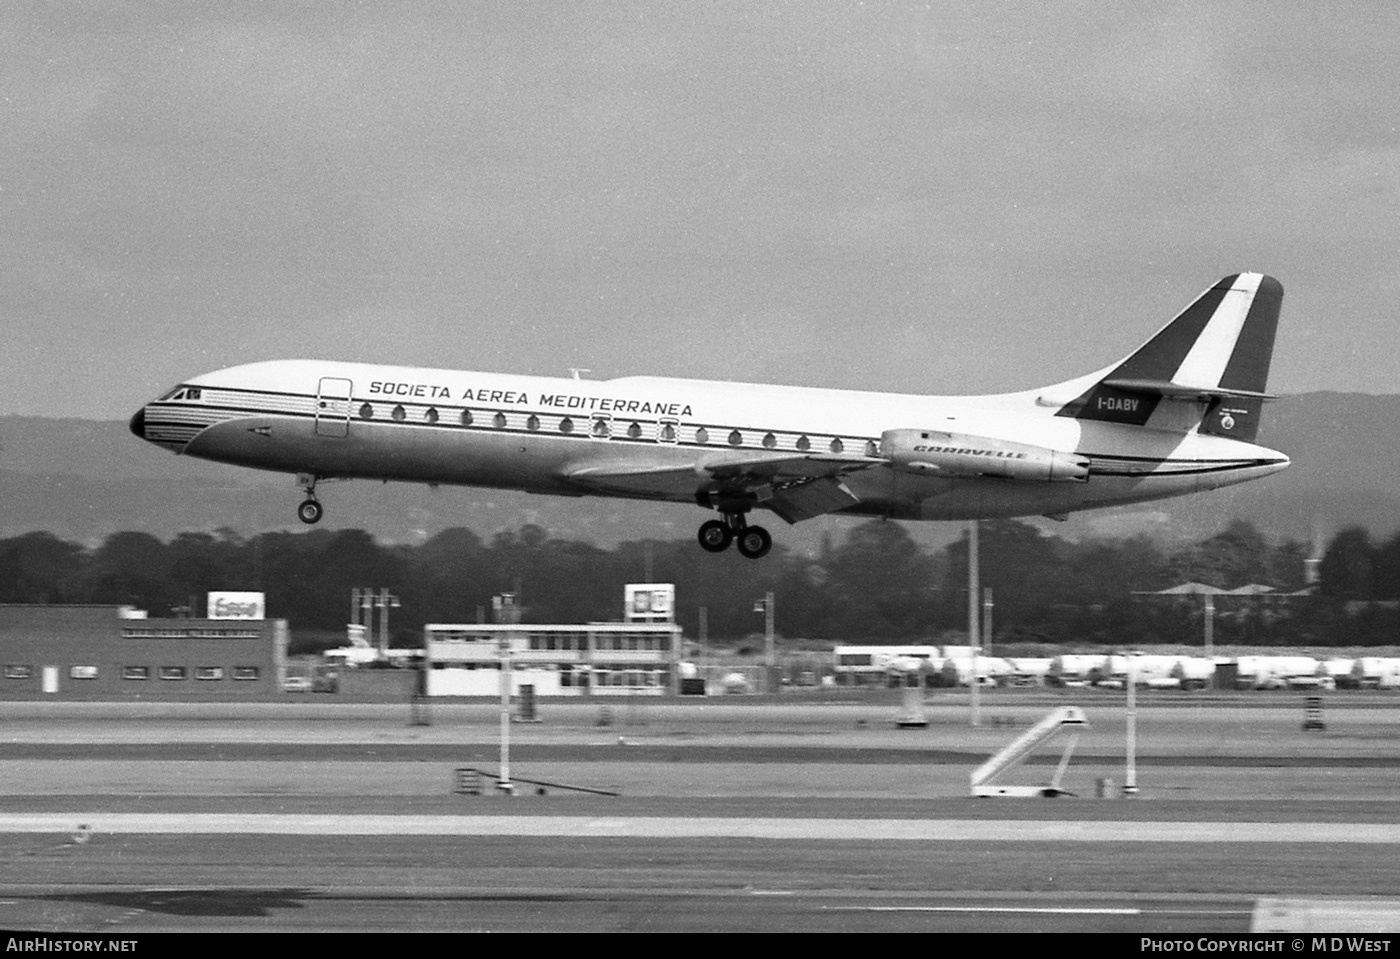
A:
(237, 605)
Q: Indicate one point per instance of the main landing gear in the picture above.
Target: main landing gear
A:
(310, 510)
(752, 541)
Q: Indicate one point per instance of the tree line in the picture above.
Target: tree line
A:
(875, 585)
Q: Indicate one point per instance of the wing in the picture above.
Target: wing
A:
(794, 487)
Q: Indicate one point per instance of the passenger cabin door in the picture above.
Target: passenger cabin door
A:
(333, 407)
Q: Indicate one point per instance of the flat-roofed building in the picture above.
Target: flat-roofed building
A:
(115, 653)
(597, 659)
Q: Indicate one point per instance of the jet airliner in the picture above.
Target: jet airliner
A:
(1179, 415)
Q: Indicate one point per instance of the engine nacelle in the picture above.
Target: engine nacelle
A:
(935, 453)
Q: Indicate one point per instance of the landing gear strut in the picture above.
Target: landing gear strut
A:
(309, 511)
(753, 541)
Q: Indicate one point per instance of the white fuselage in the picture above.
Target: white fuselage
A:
(538, 434)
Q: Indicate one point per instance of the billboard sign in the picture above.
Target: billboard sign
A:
(237, 605)
(650, 602)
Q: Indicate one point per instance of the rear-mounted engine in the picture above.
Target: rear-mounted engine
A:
(936, 453)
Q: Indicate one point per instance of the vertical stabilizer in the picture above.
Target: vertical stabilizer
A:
(1216, 353)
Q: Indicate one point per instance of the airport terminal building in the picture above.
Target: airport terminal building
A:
(116, 653)
(638, 656)
(601, 659)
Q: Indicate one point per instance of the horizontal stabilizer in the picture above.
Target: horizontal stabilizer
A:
(1184, 391)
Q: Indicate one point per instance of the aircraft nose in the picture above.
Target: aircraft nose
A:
(138, 423)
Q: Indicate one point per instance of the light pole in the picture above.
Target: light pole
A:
(503, 651)
(507, 612)
(974, 593)
(1210, 625)
(704, 638)
(363, 603)
(1130, 774)
(765, 606)
(987, 620)
(385, 601)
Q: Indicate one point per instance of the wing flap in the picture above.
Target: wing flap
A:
(809, 466)
(658, 482)
(814, 498)
(794, 487)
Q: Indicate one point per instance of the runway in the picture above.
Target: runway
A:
(140, 818)
(85, 824)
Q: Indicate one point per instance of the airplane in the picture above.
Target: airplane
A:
(1179, 415)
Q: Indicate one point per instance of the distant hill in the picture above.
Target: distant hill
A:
(85, 479)
(1345, 449)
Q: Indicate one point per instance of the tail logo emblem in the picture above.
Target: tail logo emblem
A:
(1227, 422)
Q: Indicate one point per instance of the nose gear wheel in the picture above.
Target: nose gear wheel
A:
(310, 510)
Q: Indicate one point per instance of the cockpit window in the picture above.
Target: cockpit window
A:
(192, 393)
(175, 394)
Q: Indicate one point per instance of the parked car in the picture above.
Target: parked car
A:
(296, 684)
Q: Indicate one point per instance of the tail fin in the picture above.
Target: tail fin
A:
(1216, 352)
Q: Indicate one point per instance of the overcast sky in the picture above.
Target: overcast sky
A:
(935, 198)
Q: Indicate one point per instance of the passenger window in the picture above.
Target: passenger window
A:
(803, 444)
(702, 436)
(432, 415)
(566, 425)
(870, 448)
(770, 441)
(533, 423)
(634, 431)
(499, 420)
(668, 432)
(837, 446)
(466, 417)
(399, 414)
(600, 428)
(366, 412)
(736, 438)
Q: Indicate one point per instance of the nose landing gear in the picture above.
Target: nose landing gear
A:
(310, 510)
(753, 542)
